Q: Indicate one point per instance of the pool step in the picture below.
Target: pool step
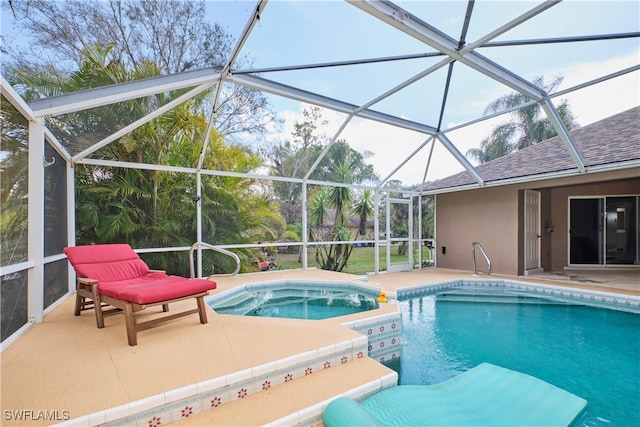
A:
(301, 401)
(474, 295)
(189, 402)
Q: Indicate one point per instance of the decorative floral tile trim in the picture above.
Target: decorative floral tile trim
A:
(383, 335)
(187, 407)
(187, 411)
(216, 401)
(381, 341)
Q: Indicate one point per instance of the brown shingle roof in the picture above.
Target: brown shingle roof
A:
(609, 141)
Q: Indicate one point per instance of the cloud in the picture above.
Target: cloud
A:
(607, 98)
(391, 146)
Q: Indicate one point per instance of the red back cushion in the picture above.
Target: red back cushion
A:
(106, 263)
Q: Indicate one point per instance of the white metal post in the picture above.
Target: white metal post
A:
(410, 242)
(376, 231)
(198, 201)
(434, 251)
(388, 230)
(35, 253)
(420, 242)
(71, 217)
(305, 236)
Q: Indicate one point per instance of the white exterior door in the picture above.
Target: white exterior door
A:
(531, 230)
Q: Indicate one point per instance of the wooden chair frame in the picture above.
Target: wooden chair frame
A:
(98, 302)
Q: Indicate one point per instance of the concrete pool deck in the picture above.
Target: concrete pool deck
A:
(70, 369)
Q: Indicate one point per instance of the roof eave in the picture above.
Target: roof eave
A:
(611, 167)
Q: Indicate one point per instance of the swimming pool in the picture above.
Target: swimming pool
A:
(589, 351)
(296, 299)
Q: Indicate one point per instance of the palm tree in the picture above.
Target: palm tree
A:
(14, 141)
(294, 158)
(527, 127)
(363, 209)
(341, 202)
(319, 210)
(154, 208)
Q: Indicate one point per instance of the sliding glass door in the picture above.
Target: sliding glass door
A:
(622, 230)
(586, 231)
(604, 230)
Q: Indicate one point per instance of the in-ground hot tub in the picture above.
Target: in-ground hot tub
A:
(296, 299)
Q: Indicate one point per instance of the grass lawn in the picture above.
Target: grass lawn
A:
(361, 260)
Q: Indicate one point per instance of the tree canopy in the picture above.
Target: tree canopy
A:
(295, 157)
(149, 208)
(172, 36)
(528, 124)
(94, 44)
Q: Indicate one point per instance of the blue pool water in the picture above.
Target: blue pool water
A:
(295, 300)
(591, 352)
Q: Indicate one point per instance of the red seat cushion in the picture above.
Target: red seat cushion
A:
(121, 274)
(106, 263)
(148, 290)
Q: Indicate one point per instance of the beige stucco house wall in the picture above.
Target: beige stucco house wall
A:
(493, 216)
(488, 216)
(493, 213)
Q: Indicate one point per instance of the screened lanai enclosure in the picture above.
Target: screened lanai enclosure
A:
(310, 134)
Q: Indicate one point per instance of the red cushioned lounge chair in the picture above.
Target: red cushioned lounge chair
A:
(115, 275)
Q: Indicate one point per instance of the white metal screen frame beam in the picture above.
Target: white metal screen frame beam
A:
(286, 91)
(193, 170)
(255, 17)
(16, 100)
(290, 92)
(129, 128)
(422, 31)
(98, 97)
(374, 101)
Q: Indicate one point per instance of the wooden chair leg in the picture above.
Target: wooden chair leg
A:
(79, 304)
(202, 310)
(97, 306)
(130, 323)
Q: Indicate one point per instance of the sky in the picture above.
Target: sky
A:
(311, 32)
(295, 33)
